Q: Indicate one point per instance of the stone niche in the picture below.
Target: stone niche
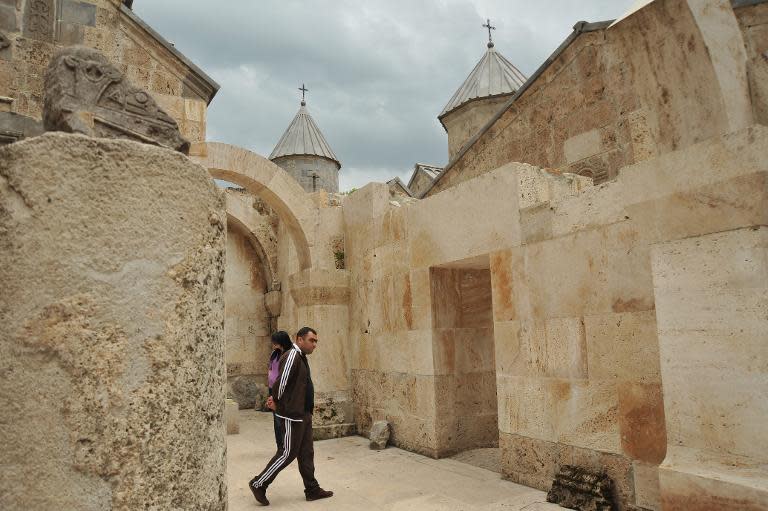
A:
(464, 357)
(111, 339)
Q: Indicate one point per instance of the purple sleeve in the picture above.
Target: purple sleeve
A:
(274, 369)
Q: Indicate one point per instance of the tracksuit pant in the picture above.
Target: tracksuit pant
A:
(297, 443)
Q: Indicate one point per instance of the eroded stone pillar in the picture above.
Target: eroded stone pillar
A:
(111, 328)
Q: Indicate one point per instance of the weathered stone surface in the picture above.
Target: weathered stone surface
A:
(379, 435)
(577, 488)
(81, 13)
(8, 17)
(111, 339)
(248, 391)
(39, 17)
(85, 93)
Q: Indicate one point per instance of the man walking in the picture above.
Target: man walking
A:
(293, 401)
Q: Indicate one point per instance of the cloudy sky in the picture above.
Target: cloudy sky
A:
(378, 72)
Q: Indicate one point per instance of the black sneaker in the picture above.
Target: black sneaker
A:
(259, 493)
(318, 493)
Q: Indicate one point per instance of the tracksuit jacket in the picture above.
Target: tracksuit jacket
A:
(293, 391)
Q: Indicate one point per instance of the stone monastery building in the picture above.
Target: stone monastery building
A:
(584, 284)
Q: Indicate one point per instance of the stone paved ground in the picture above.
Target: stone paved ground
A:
(367, 480)
(488, 458)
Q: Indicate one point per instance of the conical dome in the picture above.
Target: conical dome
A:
(494, 75)
(304, 138)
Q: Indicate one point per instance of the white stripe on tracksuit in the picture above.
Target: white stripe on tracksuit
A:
(276, 465)
(286, 372)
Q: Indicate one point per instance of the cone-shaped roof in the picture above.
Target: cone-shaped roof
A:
(493, 75)
(303, 137)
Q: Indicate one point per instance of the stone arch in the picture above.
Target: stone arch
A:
(244, 218)
(263, 178)
(245, 230)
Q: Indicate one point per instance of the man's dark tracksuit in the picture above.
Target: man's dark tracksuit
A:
(294, 394)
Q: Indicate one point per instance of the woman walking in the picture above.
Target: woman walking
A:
(281, 342)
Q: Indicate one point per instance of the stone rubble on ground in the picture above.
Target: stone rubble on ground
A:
(379, 435)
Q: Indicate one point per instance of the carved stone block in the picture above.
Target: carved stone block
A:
(580, 489)
(38, 21)
(86, 94)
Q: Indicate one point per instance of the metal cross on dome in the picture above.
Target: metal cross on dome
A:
(303, 90)
(488, 25)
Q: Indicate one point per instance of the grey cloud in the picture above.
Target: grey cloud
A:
(378, 72)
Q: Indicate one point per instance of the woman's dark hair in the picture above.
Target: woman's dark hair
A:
(282, 338)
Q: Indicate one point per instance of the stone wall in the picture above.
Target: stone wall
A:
(711, 310)
(575, 337)
(247, 328)
(606, 101)
(33, 29)
(302, 168)
(111, 339)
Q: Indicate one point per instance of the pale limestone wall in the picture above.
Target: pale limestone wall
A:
(396, 373)
(465, 123)
(576, 348)
(35, 34)
(669, 76)
(712, 319)
(111, 339)
(302, 168)
(246, 323)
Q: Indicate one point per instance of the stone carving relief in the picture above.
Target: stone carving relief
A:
(86, 94)
(577, 488)
(38, 19)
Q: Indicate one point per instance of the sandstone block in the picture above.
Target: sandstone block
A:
(712, 317)
(623, 346)
(583, 145)
(711, 313)
(641, 420)
(379, 435)
(231, 417)
(86, 94)
(646, 479)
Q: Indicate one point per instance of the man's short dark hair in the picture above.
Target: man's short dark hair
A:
(303, 331)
